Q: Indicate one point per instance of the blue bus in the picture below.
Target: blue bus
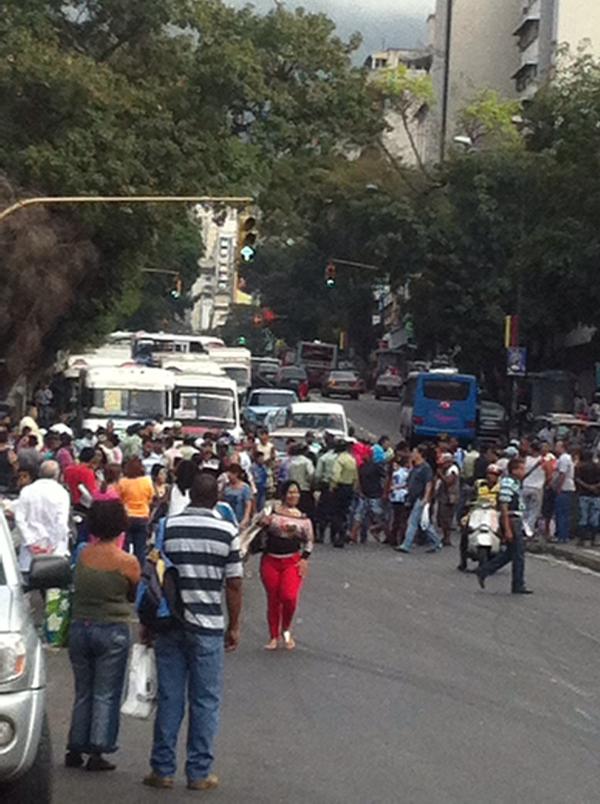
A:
(439, 403)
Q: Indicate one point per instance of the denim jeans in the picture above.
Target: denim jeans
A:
(589, 513)
(98, 654)
(414, 523)
(563, 510)
(192, 662)
(513, 551)
(137, 537)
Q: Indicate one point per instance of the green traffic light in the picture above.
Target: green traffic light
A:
(331, 283)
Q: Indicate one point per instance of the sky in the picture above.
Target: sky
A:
(383, 23)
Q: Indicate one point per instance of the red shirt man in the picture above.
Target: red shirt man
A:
(81, 474)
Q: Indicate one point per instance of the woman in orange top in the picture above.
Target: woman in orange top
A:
(137, 492)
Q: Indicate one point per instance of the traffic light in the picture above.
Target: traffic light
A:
(330, 275)
(177, 287)
(247, 238)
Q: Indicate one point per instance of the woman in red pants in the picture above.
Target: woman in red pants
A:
(289, 543)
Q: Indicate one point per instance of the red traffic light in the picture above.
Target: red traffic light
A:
(269, 317)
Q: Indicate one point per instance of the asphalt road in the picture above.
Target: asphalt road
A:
(409, 684)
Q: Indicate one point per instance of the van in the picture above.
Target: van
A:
(438, 403)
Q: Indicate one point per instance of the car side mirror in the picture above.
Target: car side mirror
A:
(50, 572)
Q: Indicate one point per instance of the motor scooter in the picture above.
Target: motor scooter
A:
(483, 528)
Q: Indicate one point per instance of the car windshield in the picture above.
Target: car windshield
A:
(206, 406)
(293, 374)
(446, 390)
(343, 376)
(271, 400)
(120, 403)
(317, 421)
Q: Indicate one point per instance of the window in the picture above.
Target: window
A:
(120, 403)
(317, 421)
(272, 400)
(446, 390)
(209, 406)
(237, 373)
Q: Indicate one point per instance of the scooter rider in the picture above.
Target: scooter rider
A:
(511, 514)
(486, 491)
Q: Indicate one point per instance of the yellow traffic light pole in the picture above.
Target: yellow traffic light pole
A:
(124, 199)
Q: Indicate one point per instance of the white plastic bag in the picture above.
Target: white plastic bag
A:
(142, 683)
(425, 517)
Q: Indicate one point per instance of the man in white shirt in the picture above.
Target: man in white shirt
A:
(533, 487)
(42, 516)
(565, 492)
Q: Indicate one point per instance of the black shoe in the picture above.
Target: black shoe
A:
(73, 759)
(480, 578)
(462, 567)
(523, 591)
(97, 763)
(339, 544)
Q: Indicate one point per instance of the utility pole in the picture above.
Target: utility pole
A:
(446, 87)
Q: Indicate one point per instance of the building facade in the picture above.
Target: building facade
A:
(397, 138)
(545, 26)
(214, 289)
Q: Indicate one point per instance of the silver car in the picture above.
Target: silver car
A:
(25, 754)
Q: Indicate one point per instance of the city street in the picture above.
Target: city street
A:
(409, 684)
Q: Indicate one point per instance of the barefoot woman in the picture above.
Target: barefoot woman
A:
(284, 564)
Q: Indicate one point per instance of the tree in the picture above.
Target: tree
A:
(490, 121)
(156, 97)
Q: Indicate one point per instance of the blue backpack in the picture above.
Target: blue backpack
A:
(158, 600)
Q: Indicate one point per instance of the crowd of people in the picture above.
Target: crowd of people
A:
(102, 497)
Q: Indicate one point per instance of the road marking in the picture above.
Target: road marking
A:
(563, 562)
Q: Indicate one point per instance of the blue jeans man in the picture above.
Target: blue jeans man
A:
(563, 509)
(414, 523)
(192, 663)
(514, 551)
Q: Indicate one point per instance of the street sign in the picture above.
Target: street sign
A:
(516, 361)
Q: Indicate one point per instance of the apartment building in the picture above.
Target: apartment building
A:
(214, 289)
(396, 138)
(473, 49)
(545, 26)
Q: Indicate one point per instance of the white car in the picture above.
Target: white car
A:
(318, 417)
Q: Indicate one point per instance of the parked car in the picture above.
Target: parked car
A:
(388, 385)
(263, 401)
(25, 751)
(492, 421)
(342, 383)
(290, 377)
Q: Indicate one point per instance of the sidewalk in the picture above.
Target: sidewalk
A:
(586, 556)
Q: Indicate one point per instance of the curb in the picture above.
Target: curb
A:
(566, 553)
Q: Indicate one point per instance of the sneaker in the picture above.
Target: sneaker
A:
(437, 549)
(161, 782)
(402, 549)
(211, 782)
(480, 577)
(522, 591)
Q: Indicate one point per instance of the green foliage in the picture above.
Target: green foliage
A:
(163, 97)
(489, 121)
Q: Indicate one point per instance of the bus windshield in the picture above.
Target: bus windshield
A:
(127, 404)
(206, 407)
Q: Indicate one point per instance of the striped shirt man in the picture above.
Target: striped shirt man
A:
(205, 549)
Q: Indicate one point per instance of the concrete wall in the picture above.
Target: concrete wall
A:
(483, 55)
(577, 20)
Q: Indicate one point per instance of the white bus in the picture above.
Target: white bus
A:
(236, 362)
(153, 344)
(204, 403)
(125, 394)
